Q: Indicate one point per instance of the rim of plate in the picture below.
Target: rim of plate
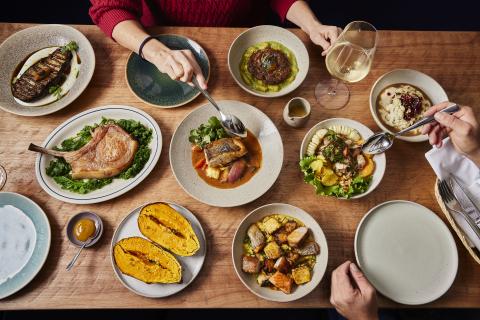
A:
(240, 202)
(178, 104)
(72, 96)
(119, 274)
(373, 107)
(283, 91)
(435, 218)
(323, 251)
(49, 236)
(64, 195)
(379, 157)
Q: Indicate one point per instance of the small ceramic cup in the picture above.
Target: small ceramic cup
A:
(296, 112)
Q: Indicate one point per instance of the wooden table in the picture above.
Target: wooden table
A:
(452, 58)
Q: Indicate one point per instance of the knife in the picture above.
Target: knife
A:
(466, 203)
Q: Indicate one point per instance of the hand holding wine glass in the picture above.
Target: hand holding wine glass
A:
(348, 60)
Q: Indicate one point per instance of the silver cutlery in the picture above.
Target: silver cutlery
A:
(86, 243)
(230, 123)
(382, 141)
(452, 204)
(465, 201)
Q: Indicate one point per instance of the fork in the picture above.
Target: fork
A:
(452, 204)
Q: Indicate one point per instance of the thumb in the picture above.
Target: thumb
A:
(359, 278)
(452, 122)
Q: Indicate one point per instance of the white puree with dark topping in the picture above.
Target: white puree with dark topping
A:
(393, 112)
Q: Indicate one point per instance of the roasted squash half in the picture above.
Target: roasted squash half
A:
(165, 226)
(143, 260)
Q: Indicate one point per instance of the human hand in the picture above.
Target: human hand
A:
(178, 64)
(462, 127)
(323, 35)
(352, 295)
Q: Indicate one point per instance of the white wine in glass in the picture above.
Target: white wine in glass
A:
(348, 60)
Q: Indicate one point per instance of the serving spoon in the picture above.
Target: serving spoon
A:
(86, 243)
(382, 141)
(232, 125)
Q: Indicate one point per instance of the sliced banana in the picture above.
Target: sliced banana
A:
(346, 131)
(316, 139)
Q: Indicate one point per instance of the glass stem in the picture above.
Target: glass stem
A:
(332, 91)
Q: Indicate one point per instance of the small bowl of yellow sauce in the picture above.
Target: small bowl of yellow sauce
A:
(82, 226)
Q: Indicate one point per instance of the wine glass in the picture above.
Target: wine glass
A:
(348, 60)
(3, 177)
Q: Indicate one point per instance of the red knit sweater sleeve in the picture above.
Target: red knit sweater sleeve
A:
(281, 7)
(108, 13)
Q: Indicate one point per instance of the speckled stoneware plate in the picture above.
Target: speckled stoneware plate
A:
(250, 281)
(191, 266)
(420, 80)
(157, 88)
(258, 34)
(259, 124)
(365, 132)
(76, 123)
(42, 244)
(407, 252)
(25, 42)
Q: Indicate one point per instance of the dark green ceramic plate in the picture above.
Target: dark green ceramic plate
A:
(156, 88)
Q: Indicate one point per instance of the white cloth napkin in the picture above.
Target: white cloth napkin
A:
(447, 161)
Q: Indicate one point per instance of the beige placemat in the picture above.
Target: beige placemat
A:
(473, 251)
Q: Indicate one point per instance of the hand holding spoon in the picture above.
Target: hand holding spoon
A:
(382, 141)
(230, 123)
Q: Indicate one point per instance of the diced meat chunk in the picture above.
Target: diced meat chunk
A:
(257, 239)
(269, 265)
(281, 236)
(308, 248)
(282, 282)
(292, 257)
(282, 265)
(296, 237)
(290, 226)
(272, 250)
(250, 264)
(301, 275)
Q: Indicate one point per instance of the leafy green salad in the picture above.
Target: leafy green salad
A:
(60, 170)
(207, 132)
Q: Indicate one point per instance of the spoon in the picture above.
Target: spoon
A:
(230, 123)
(86, 243)
(382, 141)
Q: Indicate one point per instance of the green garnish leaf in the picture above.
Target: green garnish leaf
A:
(56, 91)
(71, 46)
(207, 132)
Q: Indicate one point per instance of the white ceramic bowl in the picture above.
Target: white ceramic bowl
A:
(420, 80)
(264, 33)
(379, 159)
(259, 124)
(249, 280)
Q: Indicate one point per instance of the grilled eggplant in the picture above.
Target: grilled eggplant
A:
(50, 71)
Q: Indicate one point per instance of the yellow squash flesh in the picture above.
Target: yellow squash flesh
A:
(143, 260)
(168, 228)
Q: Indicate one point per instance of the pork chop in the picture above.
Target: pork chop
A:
(110, 151)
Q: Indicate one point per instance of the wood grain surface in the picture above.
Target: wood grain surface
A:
(452, 58)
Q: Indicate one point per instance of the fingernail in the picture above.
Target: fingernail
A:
(354, 267)
(439, 116)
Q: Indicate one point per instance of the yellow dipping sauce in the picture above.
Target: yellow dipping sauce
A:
(84, 229)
